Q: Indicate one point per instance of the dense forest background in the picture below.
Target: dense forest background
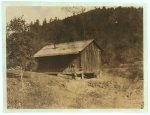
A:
(118, 31)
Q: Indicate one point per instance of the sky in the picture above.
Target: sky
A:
(31, 13)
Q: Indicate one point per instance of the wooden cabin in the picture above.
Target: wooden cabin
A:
(66, 57)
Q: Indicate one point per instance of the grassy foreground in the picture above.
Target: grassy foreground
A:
(48, 91)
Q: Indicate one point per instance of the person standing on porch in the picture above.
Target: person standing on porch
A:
(73, 70)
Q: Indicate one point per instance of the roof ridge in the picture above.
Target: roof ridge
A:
(72, 41)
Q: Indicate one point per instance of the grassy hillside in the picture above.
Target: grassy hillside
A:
(47, 91)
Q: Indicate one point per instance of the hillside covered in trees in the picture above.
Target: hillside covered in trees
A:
(118, 31)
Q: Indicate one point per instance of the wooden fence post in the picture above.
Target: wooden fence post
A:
(82, 75)
(21, 75)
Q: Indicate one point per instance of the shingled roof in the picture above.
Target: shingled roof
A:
(63, 48)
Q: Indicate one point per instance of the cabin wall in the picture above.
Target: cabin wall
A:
(58, 63)
(91, 58)
(76, 62)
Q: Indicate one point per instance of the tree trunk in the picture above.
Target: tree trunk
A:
(22, 86)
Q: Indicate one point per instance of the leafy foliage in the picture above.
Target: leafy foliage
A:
(19, 47)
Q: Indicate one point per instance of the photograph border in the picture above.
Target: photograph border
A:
(145, 69)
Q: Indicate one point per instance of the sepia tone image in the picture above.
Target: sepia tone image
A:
(74, 57)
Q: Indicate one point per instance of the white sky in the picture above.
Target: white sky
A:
(31, 13)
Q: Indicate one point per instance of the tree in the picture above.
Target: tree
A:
(19, 47)
(44, 22)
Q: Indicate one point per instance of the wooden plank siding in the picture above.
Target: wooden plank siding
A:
(75, 61)
(91, 58)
